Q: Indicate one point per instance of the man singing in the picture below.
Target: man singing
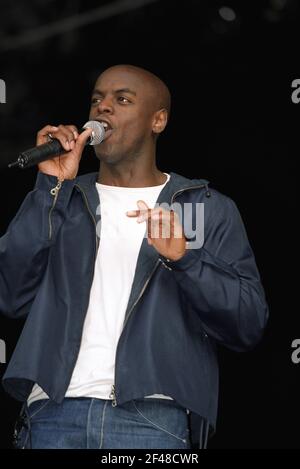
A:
(124, 308)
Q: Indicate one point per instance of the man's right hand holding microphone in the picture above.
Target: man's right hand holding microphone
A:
(66, 165)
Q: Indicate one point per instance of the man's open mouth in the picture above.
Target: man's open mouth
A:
(105, 124)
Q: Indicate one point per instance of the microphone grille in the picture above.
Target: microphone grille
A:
(98, 132)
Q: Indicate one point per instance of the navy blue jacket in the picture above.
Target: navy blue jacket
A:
(177, 311)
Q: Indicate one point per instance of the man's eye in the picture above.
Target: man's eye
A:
(123, 99)
(95, 100)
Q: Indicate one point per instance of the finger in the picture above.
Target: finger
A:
(155, 223)
(145, 215)
(154, 213)
(142, 214)
(160, 223)
(65, 136)
(133, 213)
(73, 136)
(173, 229)
(83, 137)
(142, 204)
(144, 211)
(45, 130)
(42, 135)
(63, 140)
(74, 131)
(172, 223)
(176, 226)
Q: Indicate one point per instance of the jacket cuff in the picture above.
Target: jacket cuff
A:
(46, 182)
(184, 263)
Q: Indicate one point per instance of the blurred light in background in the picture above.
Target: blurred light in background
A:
(227, 14)
(45, 43)
(225, 21)
(278, 4)
(276, 10)
(71, 20)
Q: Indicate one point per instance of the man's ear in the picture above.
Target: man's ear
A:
(159, 121)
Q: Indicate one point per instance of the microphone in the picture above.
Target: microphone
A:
(54, 148)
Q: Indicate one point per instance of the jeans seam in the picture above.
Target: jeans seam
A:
(157, 426)
(25, 438)
(102, 425)
(88, 423)
(38, 410)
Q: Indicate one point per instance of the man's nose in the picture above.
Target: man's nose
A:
(105, 106)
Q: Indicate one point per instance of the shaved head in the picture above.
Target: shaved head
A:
(135, 105)
(158, 91)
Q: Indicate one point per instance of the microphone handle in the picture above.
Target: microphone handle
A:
(40, 153)
(54, 148)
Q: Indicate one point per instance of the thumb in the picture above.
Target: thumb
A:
(142, 205)
(84, 136)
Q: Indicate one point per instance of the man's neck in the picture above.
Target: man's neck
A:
(132, 177)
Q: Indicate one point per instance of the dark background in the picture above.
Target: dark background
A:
(233, 122)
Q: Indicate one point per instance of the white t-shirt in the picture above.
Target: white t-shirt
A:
(120, 241)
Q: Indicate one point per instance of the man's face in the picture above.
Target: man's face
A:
(123, 100)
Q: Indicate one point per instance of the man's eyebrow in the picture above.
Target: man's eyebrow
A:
(126, 90)
(121, 90)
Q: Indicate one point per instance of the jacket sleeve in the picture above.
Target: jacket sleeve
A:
(25, 246)
(221, 282)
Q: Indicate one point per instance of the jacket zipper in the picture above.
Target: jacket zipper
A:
(92, 216)
(54, 191)
(113, 388)
(186, 189)
(97, 240)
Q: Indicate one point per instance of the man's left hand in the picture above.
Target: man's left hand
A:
(164, 230)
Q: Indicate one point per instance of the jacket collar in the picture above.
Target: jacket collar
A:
(148, 256)
(176, 183)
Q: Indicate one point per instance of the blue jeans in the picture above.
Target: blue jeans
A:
(86, 423)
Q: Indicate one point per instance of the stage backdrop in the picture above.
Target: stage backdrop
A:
(232, 71)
